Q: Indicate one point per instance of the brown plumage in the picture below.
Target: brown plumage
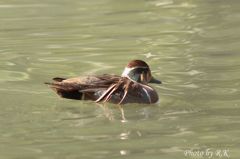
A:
(137, 63)
(109, 88)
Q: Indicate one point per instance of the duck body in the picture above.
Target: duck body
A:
(105, 88)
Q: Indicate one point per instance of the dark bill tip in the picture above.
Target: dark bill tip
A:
(153, 80)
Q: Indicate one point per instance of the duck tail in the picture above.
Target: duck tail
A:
(65, 91)
(58, 79)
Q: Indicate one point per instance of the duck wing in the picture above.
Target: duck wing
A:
(82, 87)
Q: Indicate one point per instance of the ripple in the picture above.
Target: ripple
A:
(23, 6)
(23, 91)
(149, 55)
(92, 137)
(171, 149)
(10, 64)
(220, 91)
(13, 76)
(39, 34)
(181, 5)
(54, 46)
(189, 86)
(180, 112)
(163, 3)
(97, 67)
(191, 72)
(53, 59)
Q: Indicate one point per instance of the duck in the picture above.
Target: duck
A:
(131, 87)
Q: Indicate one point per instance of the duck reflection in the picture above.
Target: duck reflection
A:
(124, 114)
(109, 113)
(102, 111)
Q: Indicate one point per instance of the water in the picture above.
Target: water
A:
(192, 46)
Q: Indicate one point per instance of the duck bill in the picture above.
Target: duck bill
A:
(153, 80)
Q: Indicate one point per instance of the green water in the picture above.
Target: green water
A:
(193, 47)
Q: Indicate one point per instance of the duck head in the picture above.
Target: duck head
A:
(139, 71)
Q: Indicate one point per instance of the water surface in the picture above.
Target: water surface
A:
(192, 46)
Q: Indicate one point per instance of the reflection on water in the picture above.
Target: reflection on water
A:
(192, 46)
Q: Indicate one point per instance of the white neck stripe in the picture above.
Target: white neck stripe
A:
(127, 70)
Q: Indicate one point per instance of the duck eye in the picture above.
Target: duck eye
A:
(138, 71)
(141, 70)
